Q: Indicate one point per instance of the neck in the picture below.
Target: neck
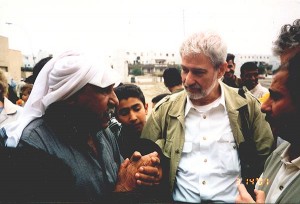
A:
(174, 88)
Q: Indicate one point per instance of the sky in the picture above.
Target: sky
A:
(248, 26)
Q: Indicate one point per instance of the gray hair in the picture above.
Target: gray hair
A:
(288, 38)
(207, 43)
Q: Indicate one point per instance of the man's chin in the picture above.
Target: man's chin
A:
(195, 96)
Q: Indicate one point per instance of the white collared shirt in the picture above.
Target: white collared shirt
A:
(288, 171)
(259, 91)
(209, 164)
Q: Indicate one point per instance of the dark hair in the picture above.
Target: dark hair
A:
(230, 57)
(126, 91)
(172, 77)
(159, 97)
(26, 86)
(293, 80)
(36, 70)
(248, 66)
(289, 37)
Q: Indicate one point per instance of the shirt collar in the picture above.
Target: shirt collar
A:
(285, 158)
(255, 88)
(218, 102)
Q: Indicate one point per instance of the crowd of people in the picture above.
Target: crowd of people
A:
(80, 134)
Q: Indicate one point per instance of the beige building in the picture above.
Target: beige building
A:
(11, 61)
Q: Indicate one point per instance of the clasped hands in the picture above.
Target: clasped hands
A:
(139, 171)
(245, 197)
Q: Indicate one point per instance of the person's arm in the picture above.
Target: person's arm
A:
(153, 128)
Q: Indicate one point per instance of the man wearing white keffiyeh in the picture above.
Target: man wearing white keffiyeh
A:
(67, 108)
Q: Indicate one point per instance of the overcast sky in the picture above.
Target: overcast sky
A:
(248, 26)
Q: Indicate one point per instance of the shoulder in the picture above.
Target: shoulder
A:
(34, 125)
(35, 133)
(11, 108)
(173, 100)
(281, 148)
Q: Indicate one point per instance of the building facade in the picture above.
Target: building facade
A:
(11, 61)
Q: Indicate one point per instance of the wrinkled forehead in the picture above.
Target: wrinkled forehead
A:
(280, 79)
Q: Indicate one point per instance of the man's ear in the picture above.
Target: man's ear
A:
(146, 108)
(222, 69)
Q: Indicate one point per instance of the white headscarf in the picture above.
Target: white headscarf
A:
(59, 79)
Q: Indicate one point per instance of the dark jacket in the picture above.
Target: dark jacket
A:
(31, 175)
(62, 132)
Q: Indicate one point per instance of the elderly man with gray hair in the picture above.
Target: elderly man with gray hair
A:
(200, 129)
(68, 106)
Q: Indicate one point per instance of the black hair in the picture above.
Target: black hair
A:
(230, 57)
(36, 70)
(126, 91)
(248, 66)
(289, 37)
(157, 98)
(172, 77)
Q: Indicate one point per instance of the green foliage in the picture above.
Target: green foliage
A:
(137, 71)
(264, 68)
(261, 70)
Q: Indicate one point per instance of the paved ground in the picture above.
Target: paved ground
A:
(151, 90)
(266, 82)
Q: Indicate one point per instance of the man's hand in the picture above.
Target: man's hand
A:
(245, 197)
(150, 174)
(139, 170)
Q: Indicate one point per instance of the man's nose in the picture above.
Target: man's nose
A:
(266, 106)
(114, 99)
(189, 79)
(227, 69)
(132, 116)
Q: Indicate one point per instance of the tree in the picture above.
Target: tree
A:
(137, 71)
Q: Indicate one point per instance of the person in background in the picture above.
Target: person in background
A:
(157, 98)
(30, 80)
(25, 91)
(9, 111)
(249, 77)
(229, 77)
(36, 70)
(285, 46)
(68, 107)
(280, 180)
(172, 80)
(131, 113)
(201, 126)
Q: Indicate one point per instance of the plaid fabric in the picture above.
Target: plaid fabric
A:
(3, 137)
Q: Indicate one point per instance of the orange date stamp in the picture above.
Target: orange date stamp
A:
(253, 181)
